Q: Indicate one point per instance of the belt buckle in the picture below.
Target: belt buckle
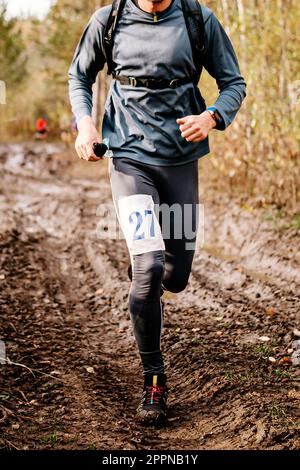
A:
(132, 81)
(174, 83)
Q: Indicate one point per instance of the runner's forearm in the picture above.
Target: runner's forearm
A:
(222, 64)
(84, 122)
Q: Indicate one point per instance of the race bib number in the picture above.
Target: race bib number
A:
(139, 224)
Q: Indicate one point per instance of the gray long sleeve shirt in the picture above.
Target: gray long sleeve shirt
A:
(140, 123)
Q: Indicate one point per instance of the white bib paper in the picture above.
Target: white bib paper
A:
(139, 224)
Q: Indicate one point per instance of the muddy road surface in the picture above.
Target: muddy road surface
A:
(70, 374)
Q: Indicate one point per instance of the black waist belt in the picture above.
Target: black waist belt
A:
(152, 82)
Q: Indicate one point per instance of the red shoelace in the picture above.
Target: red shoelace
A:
(154, 394)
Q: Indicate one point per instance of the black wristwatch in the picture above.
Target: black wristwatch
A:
(215, 115)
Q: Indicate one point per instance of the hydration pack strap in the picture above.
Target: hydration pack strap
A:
(151, 82)
(195, 26)
(116, 11)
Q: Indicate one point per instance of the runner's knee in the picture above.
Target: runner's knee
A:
(148, 270)
(175, 283)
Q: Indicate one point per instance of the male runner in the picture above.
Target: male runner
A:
(157, 133)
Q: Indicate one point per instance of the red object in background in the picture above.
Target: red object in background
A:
(41, 125)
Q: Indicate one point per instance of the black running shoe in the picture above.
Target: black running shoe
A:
(153, 406)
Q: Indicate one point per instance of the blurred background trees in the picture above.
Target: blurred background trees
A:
(257, 155)
(12, 46)
(261, 148)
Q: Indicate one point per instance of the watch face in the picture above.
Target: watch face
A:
(218, 117)
(213, 115)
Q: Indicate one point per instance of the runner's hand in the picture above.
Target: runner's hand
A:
(195, 128)
(87, 136)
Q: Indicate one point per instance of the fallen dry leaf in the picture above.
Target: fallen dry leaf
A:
(294, 395)
(261, 433)
(270, 312)
(285, 360)
(264, 338)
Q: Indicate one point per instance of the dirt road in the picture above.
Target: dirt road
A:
(72, 374)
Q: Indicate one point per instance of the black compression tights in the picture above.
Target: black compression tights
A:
(169, 267)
